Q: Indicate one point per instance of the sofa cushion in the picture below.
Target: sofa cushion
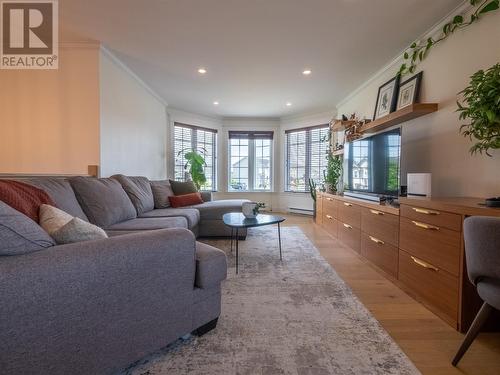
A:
(20, 234)
(23, 197)
(192, 215)
(78, 230)
(161, 191)
(185, 200)
(211, 266)
(61, 192)
(214, 210)
(142, 224)
(138, 190)
(103, 200)
(182, 188)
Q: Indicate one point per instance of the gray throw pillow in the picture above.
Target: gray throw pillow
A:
(103, 200)
(138, 190)
(78, 230)
(161, 191)
(182, 188)
(20, 234)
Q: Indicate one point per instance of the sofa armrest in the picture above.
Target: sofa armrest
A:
(206, 196)
(211, 266)
(97, 303)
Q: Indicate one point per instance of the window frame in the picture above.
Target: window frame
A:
(251, 137)
(194, 145)
(308, 156)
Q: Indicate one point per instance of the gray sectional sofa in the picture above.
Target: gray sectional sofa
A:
(95, 307)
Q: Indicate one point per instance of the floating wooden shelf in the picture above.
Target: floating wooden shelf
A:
(338, 152)
(405, 114)
(341, 125)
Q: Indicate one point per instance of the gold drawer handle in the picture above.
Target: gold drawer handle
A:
(376, 240)
(425, 212)
(347, 226)
(425, 226)
(347, 204)
(375, 212)
(329, 217)
(421, 263)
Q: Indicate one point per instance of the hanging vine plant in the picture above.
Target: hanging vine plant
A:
(418, 51)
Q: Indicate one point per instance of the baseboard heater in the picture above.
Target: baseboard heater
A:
(302, 211)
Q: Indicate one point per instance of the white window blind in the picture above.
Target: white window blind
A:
(306, 157)
(250, 160)
(202, 140)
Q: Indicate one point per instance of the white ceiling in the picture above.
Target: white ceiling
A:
(254, 50)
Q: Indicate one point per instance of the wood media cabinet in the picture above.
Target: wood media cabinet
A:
(419, 246)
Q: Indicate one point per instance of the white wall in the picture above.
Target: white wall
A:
(49, 119)
(433, 143)
(133, 129)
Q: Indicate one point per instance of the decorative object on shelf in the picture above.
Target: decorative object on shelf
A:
(481, 105)
(344, 118)
(409, 91)
(195, 165)
(332, 173)
(493, 202)
(352, 132)
(387, 98)
(418, 50)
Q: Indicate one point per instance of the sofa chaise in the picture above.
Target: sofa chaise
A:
(95, 307)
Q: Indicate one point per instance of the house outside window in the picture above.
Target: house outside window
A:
(250, 160)
(203, 140)
(306, 157)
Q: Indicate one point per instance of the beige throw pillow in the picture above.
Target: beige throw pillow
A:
(64, 228)
(78, 230)
(52, 218)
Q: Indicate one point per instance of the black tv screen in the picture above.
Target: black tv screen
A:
(371, 165)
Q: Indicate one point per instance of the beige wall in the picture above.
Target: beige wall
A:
(133, 124)
(49, 120)
(432, 143)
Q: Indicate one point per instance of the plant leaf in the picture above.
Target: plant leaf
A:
(458, 20)
(493, 5)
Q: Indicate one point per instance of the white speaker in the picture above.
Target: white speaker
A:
(419, 184)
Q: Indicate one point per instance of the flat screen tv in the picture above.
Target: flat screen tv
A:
(372, 165)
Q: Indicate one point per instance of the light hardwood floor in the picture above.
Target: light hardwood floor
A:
(427, 340)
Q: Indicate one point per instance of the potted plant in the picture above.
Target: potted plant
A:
(481, 106)
(313, 192)
(195, 165)
(332, 173)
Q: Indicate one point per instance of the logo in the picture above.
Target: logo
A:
(29, 34)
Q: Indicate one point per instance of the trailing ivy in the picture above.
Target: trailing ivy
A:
(418, 51)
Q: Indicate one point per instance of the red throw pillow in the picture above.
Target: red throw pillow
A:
(24, 198)
(185, 200)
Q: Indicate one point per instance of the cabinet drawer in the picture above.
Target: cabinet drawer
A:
(381, 253)
(330, 224)
(381, 225)
(436, 245)
(438, 288)
(330, 207)
(349, 213)
(350, 236)
(434, 217)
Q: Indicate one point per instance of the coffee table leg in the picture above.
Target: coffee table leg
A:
(237, 250)
(279, 239)
(232, 231)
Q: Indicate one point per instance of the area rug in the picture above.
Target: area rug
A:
(291, 317)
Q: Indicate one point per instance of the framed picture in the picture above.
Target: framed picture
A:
(409, 91)
(387, 98)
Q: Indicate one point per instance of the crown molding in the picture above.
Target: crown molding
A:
(105, 51)
(464, 8)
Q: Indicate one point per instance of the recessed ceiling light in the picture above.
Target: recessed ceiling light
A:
(307, 72)
(202, 70)
(288, 104)
(216, 103)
